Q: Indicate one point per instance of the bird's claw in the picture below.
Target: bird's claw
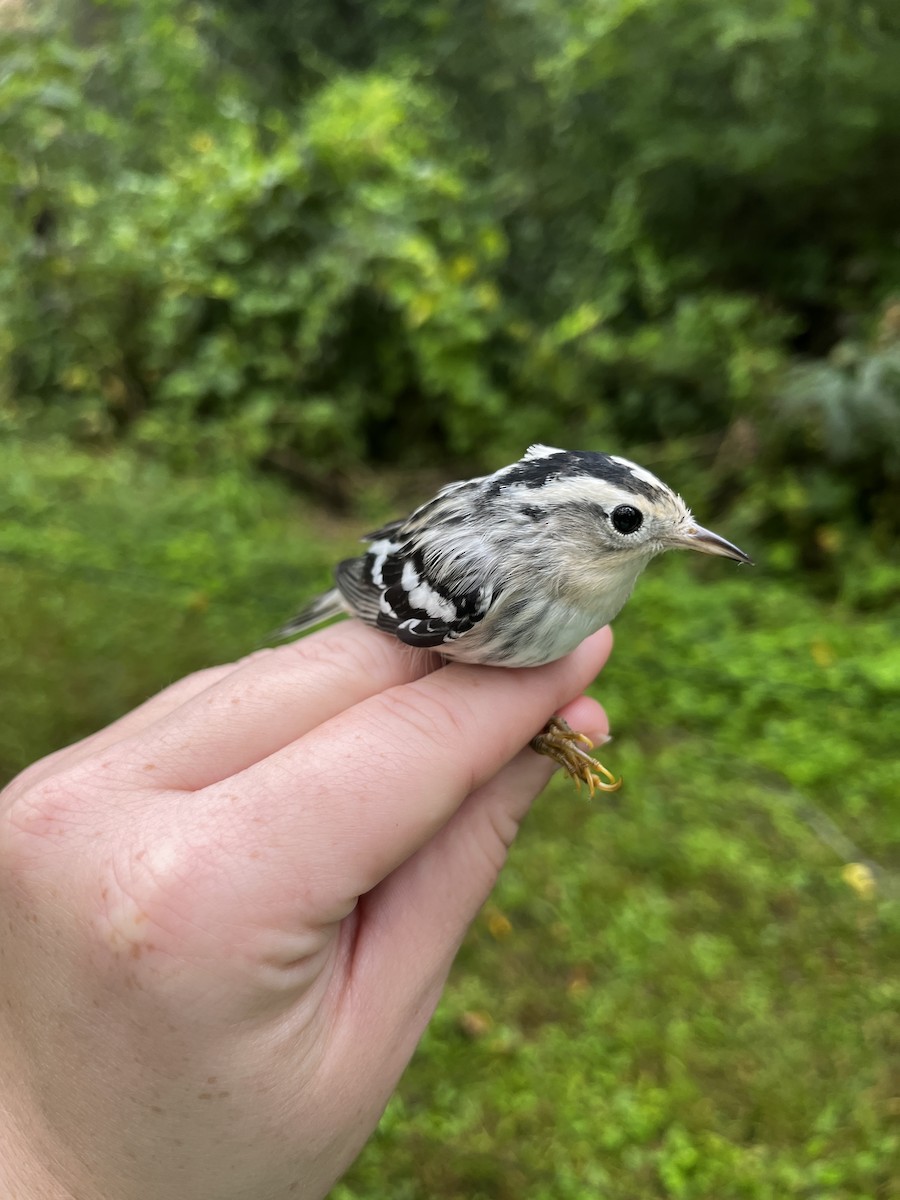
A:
(559, 741)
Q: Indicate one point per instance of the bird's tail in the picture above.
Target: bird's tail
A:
(329, 604)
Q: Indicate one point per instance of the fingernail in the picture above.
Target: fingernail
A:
(600, 739)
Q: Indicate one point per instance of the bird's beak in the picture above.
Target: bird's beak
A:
(695, 537)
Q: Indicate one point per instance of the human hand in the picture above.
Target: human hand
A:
(229, 916)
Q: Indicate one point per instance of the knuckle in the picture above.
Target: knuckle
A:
(195, 683)
(37, 815)
(63, 875)
(181, 692)
(426, 712)
(47, 827)
(144, 899)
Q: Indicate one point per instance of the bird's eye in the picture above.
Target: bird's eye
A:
(626, 519)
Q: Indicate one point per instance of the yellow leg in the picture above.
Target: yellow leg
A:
(559, 741)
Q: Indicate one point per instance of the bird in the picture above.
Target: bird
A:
(516, 568)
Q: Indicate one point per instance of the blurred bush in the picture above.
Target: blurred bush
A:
(312, 234)
(274, 287)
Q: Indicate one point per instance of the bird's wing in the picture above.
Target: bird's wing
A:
(389, 588)
(385, 531)
(354, 580)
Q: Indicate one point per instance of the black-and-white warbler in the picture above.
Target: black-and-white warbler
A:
(515, 569)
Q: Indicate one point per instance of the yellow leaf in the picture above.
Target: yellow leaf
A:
(223, 287)
(822, 653)
(462, 268)
(76, 378)
(420, 309)
(860, 878)
(487, 296)
(829, 539)
(500, 927)
(475, 1024)
(84, 195)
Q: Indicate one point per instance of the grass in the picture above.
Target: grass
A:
(678, 991)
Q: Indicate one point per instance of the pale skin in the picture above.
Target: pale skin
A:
(226, 919)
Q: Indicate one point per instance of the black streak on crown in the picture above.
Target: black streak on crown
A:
(567, 464)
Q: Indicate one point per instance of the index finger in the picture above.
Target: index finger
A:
(359, 794)
(267, 701)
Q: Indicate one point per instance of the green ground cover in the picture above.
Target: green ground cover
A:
(674, 992)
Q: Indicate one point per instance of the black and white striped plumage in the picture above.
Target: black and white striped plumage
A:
(516, 568)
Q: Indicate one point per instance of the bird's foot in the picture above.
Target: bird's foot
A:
(559, 741)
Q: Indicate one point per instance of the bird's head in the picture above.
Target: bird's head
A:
(607, 502)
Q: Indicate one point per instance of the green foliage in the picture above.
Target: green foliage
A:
(850, 405)
(825, 486)
(311, 234)
(675, 991)
(845, 412)
(263, 290)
